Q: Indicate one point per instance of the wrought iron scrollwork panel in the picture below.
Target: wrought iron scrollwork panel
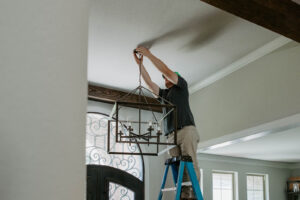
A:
(96, 153)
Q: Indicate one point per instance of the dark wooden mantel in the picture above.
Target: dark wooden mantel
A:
(106, 95)
(281, 16)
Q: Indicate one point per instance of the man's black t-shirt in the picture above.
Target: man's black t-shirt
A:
(179, 96)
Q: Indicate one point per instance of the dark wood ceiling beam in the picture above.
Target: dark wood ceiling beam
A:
(106, 95)
(281, 16)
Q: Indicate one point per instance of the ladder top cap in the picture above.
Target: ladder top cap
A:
(177, 159)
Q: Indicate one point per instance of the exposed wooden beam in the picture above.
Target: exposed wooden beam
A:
(281, 16)
(106, 95)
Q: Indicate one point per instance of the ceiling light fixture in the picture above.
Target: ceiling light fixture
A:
(131, 127)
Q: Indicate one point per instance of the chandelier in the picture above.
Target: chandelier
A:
(135, 120)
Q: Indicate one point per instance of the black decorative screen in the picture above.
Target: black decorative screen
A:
(96, 154)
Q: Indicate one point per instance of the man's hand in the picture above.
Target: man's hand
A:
(162, 67)
(152, 86)
(137, 60)
(144, 51)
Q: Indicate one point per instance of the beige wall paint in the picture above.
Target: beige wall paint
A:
(264, 91)
(43, 92)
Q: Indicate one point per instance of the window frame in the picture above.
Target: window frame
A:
(265, 186)
(234, 182)
(201, 180)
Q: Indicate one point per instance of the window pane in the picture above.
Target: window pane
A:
(255, 187)
(217, 194)
(216, 181)
(258, 195)
(226, 181)
(258, 183)
(226, 194)
(250, 195)
(117, 192)
(222, 186)
(250, 182)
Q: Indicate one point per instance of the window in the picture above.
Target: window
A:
(119, 192)
(255, 187)
(96, 154)
(223, 186)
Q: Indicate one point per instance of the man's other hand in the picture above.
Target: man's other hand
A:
(137, 60)
(144, 51)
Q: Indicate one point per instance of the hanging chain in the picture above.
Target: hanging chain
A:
(140, 57)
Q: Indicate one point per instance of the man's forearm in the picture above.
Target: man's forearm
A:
(145, 75)
(161, 66)
(151, 85)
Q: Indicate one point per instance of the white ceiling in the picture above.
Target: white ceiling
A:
(189, 36)
(281, 146)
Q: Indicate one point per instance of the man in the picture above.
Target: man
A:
(177, 93)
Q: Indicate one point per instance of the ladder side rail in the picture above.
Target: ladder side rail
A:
(179, 180)
(175, 173)
(195, 183)
(163, 182)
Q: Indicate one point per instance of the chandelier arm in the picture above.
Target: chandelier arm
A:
(151, 93)
(140, 67)
(166, 115)
(140, 89)
(159, 97)
(137, 136)
(140, 83)
(132, 91)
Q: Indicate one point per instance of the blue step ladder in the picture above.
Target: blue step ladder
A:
(180, 162)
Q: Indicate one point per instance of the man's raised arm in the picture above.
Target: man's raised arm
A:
(151, 85)
(162, 67)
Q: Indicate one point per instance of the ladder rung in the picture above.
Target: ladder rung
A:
(174, 188)
(169, 189)
(186, 183)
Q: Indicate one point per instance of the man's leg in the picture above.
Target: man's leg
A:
(189, 147)
(174, 151)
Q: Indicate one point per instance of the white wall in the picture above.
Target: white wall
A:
(261, 92)
(43, 89)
